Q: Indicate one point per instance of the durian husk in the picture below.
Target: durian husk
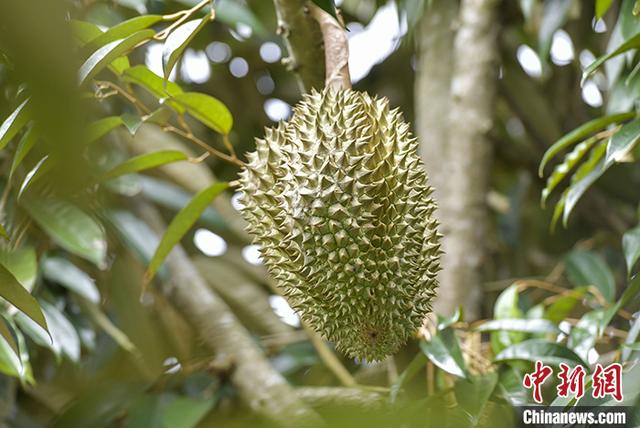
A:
(338, 200)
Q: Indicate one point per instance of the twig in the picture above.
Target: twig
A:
(329, 358)
(181, 16)
(189, 136)
(336, 49)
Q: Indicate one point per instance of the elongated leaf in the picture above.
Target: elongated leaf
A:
(144, 162)
(207, 109)
(65, 273)
(631, 248)
(9, 360)
(24, 147)
(22, 263)
(444, 351)
(586, 268)
(23, 353)
(13, 292)
(8, 337)
(40, 169)
(232, 12)
(578, 189)
(69, 227)
(540, 350)
(184, 412)
(142, 76)
(580, 133)
(418, 362)
(85, 31)
(4, 234)
(560, 309)
(109, 52)
(62, 331)
(180, 224)
(122, 30)
(474, 394)
(178, 41)
(37, 334)
(132, 122)
(586, 332)
(102, 127)
(601, 7)
(14, 123)
(521, 325)
(506, 307)
(627, 45)
(623, 142)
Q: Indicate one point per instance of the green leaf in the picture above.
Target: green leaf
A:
(123, 30)
(444, 351)
(627, 45)
(9, 360)
(178, 41)
(14, 123)
(160, 116)
(85, 31)
(65, 273)
(24, 147)
(8, 337)
(473, 395)
(554, 15)
(328, 6)
(4, 234)
(144, 162)
(23, 353)
(587, 268)
(102, 127)
(13, 292)
(580, 133)
(42, 167)
(623, 142)
(522, 325)
(207, 109)
(578, 189)
(232, 12)
(154, 84)
(180, 224)
(132, 122)
(632, 346)
(506, 307)
(69, 227)
(184, 412)
(601, 7)
(62, 331)
(586, 332)
(631, 248)
(109, 52)
(418, 362)
(23, 265)
(540, 350)
(560, 309)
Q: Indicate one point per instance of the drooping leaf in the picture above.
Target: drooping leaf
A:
(180, 224)
(147, 79)
(9, 359)
(62, 331)
(627, 45)
(85, 31)
(23, 353)
(14, 123)
(232, 12)
(109, 52)
(601, 7)
(24, 147)
(65, 273)
(69, 227)
(160, 116)
(587, 268)
(521, 325)
(207, 109)
(178, 41)
(132, 122)
(102, 127)
(540, 350)
(623, 142)
(184, 412)
(22, 263)
(8, 337)
(40, 169)
(123, 30)
(560, 309)
(144, 162)
(580, 133)
(417, 363)
(506, 307)
(578, 189)
(631, 248)
(444, 351)
(13, 292)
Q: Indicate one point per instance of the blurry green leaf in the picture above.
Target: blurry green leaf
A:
(506, 307)
(62, 331)
(69, 227)
(23, 354)
(137, 235)
(207, 109)
(636, 8)
(65, 273)
(24, 147)
(632, 346)
(146, 412)
(41, 168)
(9, 360)
(232, 12)
(180, 224)
(560, 309)
(85, 31)
(22, 263)
(102, 321)
(586, 332)
(558, 210)
(473, 395)
(184, 412)
(8, 337)
(580, 133)
(521, 325)
(444, 351)
(144, 162)
(554, 15)
(444, 322)
(177, 42)
(12, 291)
(160, 116)
(587, 268)
(37, 333)
(102, 127)
(416, 364)
(578, 189)
(108, 53)
(122, 30)
(540, 350)
(328, 6)
(120, 65)
(629, 23)
(4, 234)
(631, 248)
(132, 122)
(14, 123)
(154, 84)
(627, 45)
(623, 142)
(601, 7)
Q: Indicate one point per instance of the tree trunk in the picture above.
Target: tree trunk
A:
(455, 91)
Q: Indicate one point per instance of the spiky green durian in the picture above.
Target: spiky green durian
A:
(338, 200)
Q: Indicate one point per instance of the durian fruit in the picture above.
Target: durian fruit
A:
(338, 201)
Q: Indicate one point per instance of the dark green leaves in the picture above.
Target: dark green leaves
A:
(24, 147)
(13, 292)
(14, 123)
(540, 350)
(444, 351)
(586, 268)
(144, 162)
(627, 45)
(178, 41)
(631, 248)
(181, 223)
(151, 82)
(109, 52)
(123, 29)
(102, 127)
(208, 110)
(623, 142)
(65, 273)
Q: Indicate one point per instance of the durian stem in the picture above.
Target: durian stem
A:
(336, 49)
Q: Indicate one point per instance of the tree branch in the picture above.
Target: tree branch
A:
(336, 49)
(341, 397)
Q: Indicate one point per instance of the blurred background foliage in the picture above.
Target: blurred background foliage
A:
(94, 162)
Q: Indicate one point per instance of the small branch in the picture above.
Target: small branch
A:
(341, 397)
(329, 358)
(336, 49)
(189, 136)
